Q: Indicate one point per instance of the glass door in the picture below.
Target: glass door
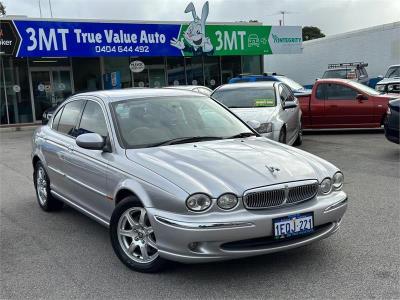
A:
(49, 87)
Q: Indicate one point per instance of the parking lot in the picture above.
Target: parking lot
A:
(67, 255)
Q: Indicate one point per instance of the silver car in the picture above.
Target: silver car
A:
(268, 106)
(194, 88)
(177, 176)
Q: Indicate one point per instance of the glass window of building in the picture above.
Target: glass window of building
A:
(15, 100)
(86, 74)
(194, 70)
(230, 67)
(113, 65)
(252, 64)
(176, 71)
(212, 74)
(153, 74)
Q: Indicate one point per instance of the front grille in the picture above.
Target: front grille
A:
(289, 194)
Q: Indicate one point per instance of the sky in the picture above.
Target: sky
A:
(331, 16)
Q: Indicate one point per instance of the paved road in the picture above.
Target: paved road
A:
(67, 255)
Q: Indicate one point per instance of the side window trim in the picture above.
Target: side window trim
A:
(105, 116)
(78, 122)
(80, 114)
(59, 111)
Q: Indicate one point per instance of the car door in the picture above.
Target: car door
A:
(58, 146)
(343, 109)
(289, 115)
(88, 169)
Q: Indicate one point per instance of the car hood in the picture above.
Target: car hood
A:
(260, 114)
(234, 165)
(389, 80)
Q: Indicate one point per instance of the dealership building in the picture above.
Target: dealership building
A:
(43, 61)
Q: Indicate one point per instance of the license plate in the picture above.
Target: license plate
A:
(293, 225)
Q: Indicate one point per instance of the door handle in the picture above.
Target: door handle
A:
(70, 148)
(333, 106)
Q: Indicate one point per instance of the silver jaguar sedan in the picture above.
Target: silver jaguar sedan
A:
(177, 176)
(271, 105)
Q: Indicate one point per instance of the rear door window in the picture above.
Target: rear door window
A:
(69, 117)
(321, 91)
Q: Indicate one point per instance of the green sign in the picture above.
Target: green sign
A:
(227, 40)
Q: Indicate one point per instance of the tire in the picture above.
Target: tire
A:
(299, 139)
(136, 246)
(46, 200)
(282, 135)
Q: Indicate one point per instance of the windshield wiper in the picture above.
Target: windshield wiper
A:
(241, 135)
(183, 140)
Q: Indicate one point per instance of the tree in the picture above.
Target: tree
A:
(311, 33)
(2, 9)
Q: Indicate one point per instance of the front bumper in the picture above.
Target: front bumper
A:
(242, 233)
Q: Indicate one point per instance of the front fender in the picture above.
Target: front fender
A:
(153, 196)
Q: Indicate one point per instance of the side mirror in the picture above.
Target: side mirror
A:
(361, 97)
(254, 124)
(289, 104)
(91, 141)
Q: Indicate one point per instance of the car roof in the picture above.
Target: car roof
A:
(250, 84)
(335, 80)
(139, 93)
(185, 87)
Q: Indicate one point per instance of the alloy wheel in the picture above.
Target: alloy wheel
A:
(136, 236)
(41, 186)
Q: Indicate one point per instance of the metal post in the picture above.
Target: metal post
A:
(5, 89)
(51, 9)
(40, 9)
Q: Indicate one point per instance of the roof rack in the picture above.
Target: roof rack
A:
(352, 64)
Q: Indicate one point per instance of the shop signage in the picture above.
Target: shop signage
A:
(31, 38)
(136, 66)
(9, 39)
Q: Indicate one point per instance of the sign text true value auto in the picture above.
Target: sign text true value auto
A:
(54, 37)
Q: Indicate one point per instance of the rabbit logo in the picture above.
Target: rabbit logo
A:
(194, 38)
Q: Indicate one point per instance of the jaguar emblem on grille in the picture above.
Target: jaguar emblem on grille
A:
(272, 169)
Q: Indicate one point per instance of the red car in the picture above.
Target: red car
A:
(343, 103)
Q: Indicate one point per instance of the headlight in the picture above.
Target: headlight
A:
(325, 186)
(227, 201)
(338, 180)
(198, 202)
(264, 128)
(393, 87)
(380, 88)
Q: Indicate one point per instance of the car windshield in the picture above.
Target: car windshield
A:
(338, 73)
(363, 88)
(166, 120)
(291, 83)
(393, 72)
(246, 97)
